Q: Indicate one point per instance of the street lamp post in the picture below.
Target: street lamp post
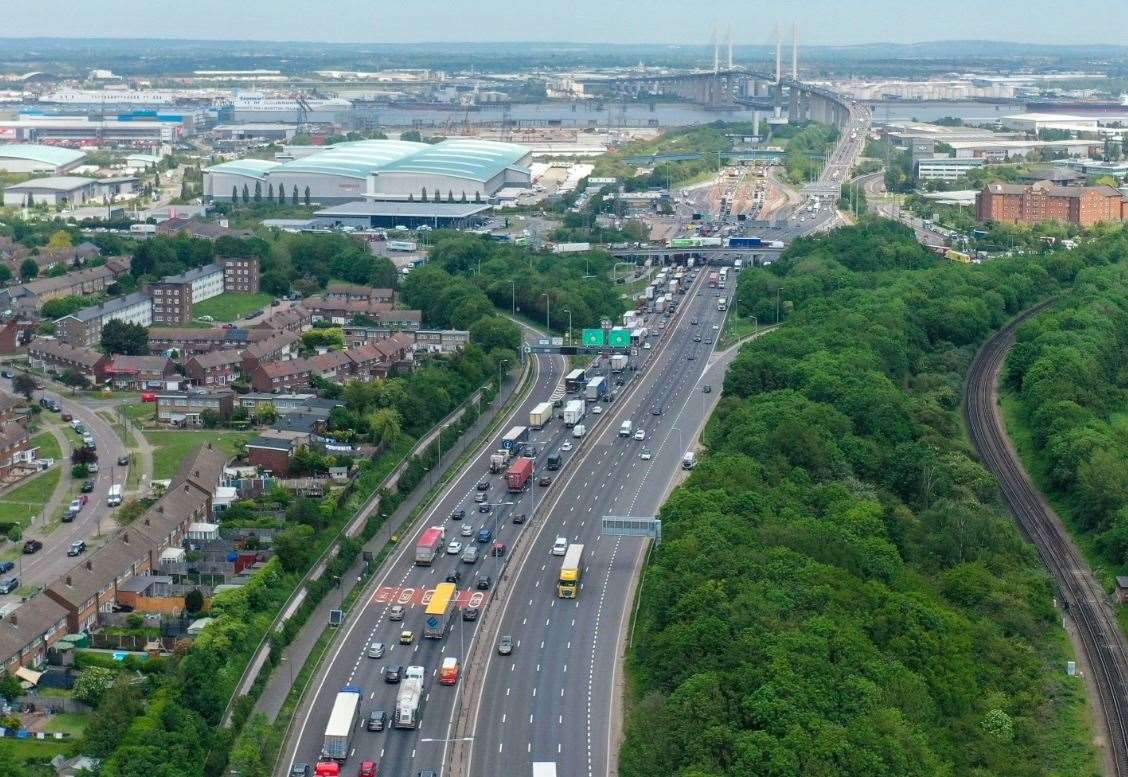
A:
(513, 296)
(547, 312)
(569, 312)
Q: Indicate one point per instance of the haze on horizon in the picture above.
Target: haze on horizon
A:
(822, 22)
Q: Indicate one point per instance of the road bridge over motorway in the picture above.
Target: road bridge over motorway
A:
(709, 254)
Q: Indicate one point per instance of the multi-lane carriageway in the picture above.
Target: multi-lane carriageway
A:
(551, 700)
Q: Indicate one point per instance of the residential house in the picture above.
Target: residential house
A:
(278, 347)
(186, 408)
(281, 376)
(1083, 206)
(28, 631)
(293, 319)
(15, 447)
(203, 472)
(174, 295)
(432, 340)
(83, 328)
(139, 372)
(337, 291)
(188, 342)
(53, 355)
(29, 297)
(271, 453)
(216, 368)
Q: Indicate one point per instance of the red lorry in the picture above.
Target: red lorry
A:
(518, 475)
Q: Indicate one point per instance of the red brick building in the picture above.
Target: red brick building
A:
(217, 368)
(240, 274)
(1044, 201)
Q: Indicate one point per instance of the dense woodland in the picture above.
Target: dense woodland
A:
(839, 591)
(1067, 370)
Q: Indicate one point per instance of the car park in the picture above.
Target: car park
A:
(376, 650)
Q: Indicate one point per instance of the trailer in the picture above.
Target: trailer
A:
(429, 545)
(573, 412)
(618, 362)
(515, 439)
(518, 475)
(342, 721)
(540, 415)
(596, 389)
(402, 245)
(439, 611)
(745, 241)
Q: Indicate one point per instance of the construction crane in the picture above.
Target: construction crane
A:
(303, 112)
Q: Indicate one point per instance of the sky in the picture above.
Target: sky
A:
(586, 21)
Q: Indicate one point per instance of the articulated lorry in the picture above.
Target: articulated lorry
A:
(342, 722)
(573, 412)
(618, 362)
(596, 389)
(430, 545)
(518, 475)
(540, 415)
(409, 701)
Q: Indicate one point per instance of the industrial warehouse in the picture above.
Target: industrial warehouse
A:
(457, 170)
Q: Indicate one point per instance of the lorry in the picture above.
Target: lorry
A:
(625, 428)
(570, 248)
(745, 241)
(574, 381)
(518, 474)
(571, 569)
(498, 460)
(515, 439)
(342, 722)
(573, 412)
(596, 389)
(430, 545)
(722, 304)
(439, 611)
(660, 304)
(540, 415)
(409, 700)
(402, 245)
(618, 362)
(714, 278)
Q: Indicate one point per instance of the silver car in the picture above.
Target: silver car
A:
(376, 650)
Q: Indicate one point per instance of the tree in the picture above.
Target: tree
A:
(28, 269)
(294, 197)
(384, 426)
(10, 687)
(307, 195)
(246, 194)
(9, 763)
(60, 239)
(292, 546)
(270, 192)
(234, 194)
(24, 384)
(120, 337)
(194, 601)
(83, 454)
(423, 196)
(258, 191)
(107, 726)
(210, 418)
(73, 377)
(92, 684)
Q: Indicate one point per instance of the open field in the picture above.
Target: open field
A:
(230, 307)
(170, 448)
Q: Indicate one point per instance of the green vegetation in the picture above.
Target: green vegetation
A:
(1066, 378)
(171, 448)
(230, 307)
(47, 444)
(806, 151)
(21, 503)
(839, 590)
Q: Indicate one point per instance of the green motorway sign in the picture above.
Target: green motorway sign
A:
(593, 337)
(620, 337)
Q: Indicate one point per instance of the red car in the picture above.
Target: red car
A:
(148, 396)
(498, 549)
(327, 769)
(367, 769)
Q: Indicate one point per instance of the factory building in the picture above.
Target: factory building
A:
(54, 190)
(945, 168)
(32, 158)
(459, 170)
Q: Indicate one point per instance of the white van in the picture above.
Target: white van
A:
(560, 547)
(689, 460)
(625, 429)
(578, 430)
(113, 499)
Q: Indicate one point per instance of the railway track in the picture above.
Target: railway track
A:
(1103, 643)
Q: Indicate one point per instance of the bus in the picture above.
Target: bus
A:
(439, 611)
(571, 570)
(575, 380)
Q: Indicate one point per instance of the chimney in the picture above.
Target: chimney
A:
(68, 581)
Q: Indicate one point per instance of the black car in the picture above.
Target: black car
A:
(558, 403)
(544, 481)
(377, 720)
(5, 374)
(32, 546)
(706, 389)
(9, 585)
(392, 674)
(470, 614)
(655, 410)
(484, 583)
(454, 576)
(519, 518)
(123, 461)
(69, 516)
(485, 507)
(87, 486)
(300, 770)
(483, 485)
(457, 515)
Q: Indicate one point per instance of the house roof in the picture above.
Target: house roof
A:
(27, 623)
(220, 358)
(34, 152)
(270, 443)
(62, 351)
(110, 306)
(52, 183)
(124, 363)
(188, 276)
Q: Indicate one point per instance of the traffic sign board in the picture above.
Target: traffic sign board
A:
(620, 337)
(593, 337)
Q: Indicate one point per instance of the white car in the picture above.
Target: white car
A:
(646, 347)
(567, 446)
(560, 546)
(715, 327)
(454, 548)
(640, 434)
(596, 410)
(644, 454)
(467, 530)
(376, 650)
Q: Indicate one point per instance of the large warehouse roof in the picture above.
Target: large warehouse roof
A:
(355, 160)
(48, 155)
(57, 183)
(249, 168)
(478, 160)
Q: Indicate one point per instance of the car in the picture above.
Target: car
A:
(620, 382)
(67, 418)
(560, 546)
(716, 327)
(123, 461)
(483, 583)
(596, 409)
(92, 466)
(454, 577)
(407, 636)
(697, 339)
(457, 515)
(519, 518)
(531, 452)
(656, 410)
(693, 322)
(567, 446)
(498, 549)
(481, 497)
(485, 534)
(300, 770)
(505, 645)
(454, 547)
(646, 346)
(148, 396)
(483, 485)
(7, 566)
(75, 504)
(367, 769)
(6, 374)
(485, 508)
(396, 613)
(708, 341)
(706, 389)
(376, 650)
(377, 720)
(427, 773)
(392, 673)
(644, 454)
(467, 530)
(87, 487)
(69, 516)
(77, 548)
(544, 481)
(32, 546)
(470, 614)
(9, 585)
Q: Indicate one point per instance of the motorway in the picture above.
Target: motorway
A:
(52, 562)
(669, 384)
